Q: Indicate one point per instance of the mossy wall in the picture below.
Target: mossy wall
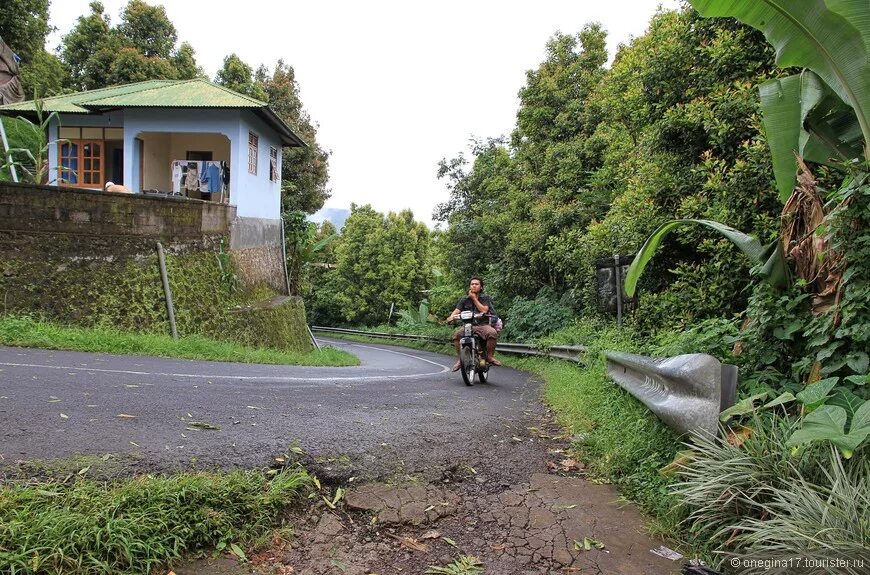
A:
(78, 274)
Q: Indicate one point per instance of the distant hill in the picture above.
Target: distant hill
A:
(335, 215)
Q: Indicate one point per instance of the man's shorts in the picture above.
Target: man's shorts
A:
(485, 331)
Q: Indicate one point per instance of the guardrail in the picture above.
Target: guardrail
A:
(686, 392)
(570, 352)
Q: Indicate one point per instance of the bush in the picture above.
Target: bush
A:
(531, 319)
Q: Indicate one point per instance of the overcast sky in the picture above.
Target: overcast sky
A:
(393, 85)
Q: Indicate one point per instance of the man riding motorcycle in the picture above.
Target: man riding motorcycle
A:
(477, 302)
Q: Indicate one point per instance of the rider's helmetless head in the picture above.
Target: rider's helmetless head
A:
(475, 284)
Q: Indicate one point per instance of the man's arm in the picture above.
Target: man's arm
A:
(453, 315)
(481, 307)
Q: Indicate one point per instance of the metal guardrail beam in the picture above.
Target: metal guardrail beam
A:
(569, 352)
(377, 334)
(687, 392)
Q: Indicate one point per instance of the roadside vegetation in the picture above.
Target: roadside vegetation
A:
(142, 525)
(727, 150)
(28, 332)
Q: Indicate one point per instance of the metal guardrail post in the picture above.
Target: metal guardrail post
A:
(687, 392)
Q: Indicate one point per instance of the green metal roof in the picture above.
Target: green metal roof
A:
(196, 93)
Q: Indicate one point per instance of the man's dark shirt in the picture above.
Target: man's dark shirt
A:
(465, 304)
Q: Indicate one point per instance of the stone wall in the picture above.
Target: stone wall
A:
(255, 245)
(89, 258)
(69, 222)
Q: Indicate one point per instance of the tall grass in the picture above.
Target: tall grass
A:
(28, 332)
(139, 525)
(765, 499)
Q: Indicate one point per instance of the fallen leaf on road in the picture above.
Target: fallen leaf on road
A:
(500, 547)
(204, 425)
(84, 470)
(569, 464)
(588, 544)
(561, 507)
(64, 416)
(53, 399)
(131, 385)
(430, 535)
(134, 443)
(450, 542)
(253, 407)
(412, 543)
(126, 416)
(515, 438)
(430, 508)
(237, 551)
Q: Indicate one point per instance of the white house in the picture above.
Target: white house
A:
(178, 137)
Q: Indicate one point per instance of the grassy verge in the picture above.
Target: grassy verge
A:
(27, 332)
(141, 525)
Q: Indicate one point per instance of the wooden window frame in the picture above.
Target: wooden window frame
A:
(253, 151)
(80, 158)
(274, 175)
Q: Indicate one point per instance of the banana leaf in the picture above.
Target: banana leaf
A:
(747, 244)
(829, 37)
(803, 116)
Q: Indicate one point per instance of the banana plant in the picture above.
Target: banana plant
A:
(822, 114)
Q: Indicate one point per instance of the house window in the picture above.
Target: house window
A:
(273, 164)
(252, 153)
(82, 163)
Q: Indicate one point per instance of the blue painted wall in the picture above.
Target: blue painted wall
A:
(255, 196)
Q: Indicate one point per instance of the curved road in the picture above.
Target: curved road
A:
(400, 407)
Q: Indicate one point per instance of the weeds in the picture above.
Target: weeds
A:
(140, 525)
(27, 332)
(465, 565)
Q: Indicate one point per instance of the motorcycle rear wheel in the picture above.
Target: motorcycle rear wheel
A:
(466, 358)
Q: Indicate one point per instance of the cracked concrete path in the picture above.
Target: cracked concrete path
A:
(508, 507)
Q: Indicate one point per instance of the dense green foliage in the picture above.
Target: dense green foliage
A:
(600, 158)
(24, 26)
(380, 261)
(141, 525)
(141, 47)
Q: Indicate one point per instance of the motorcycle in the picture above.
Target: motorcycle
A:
(472, 349)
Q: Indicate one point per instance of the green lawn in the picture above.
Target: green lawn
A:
(27, 332)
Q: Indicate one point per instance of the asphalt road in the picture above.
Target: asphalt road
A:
(400, 409)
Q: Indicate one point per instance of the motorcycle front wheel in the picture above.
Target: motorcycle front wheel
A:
(466, 358)
(482, 374)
